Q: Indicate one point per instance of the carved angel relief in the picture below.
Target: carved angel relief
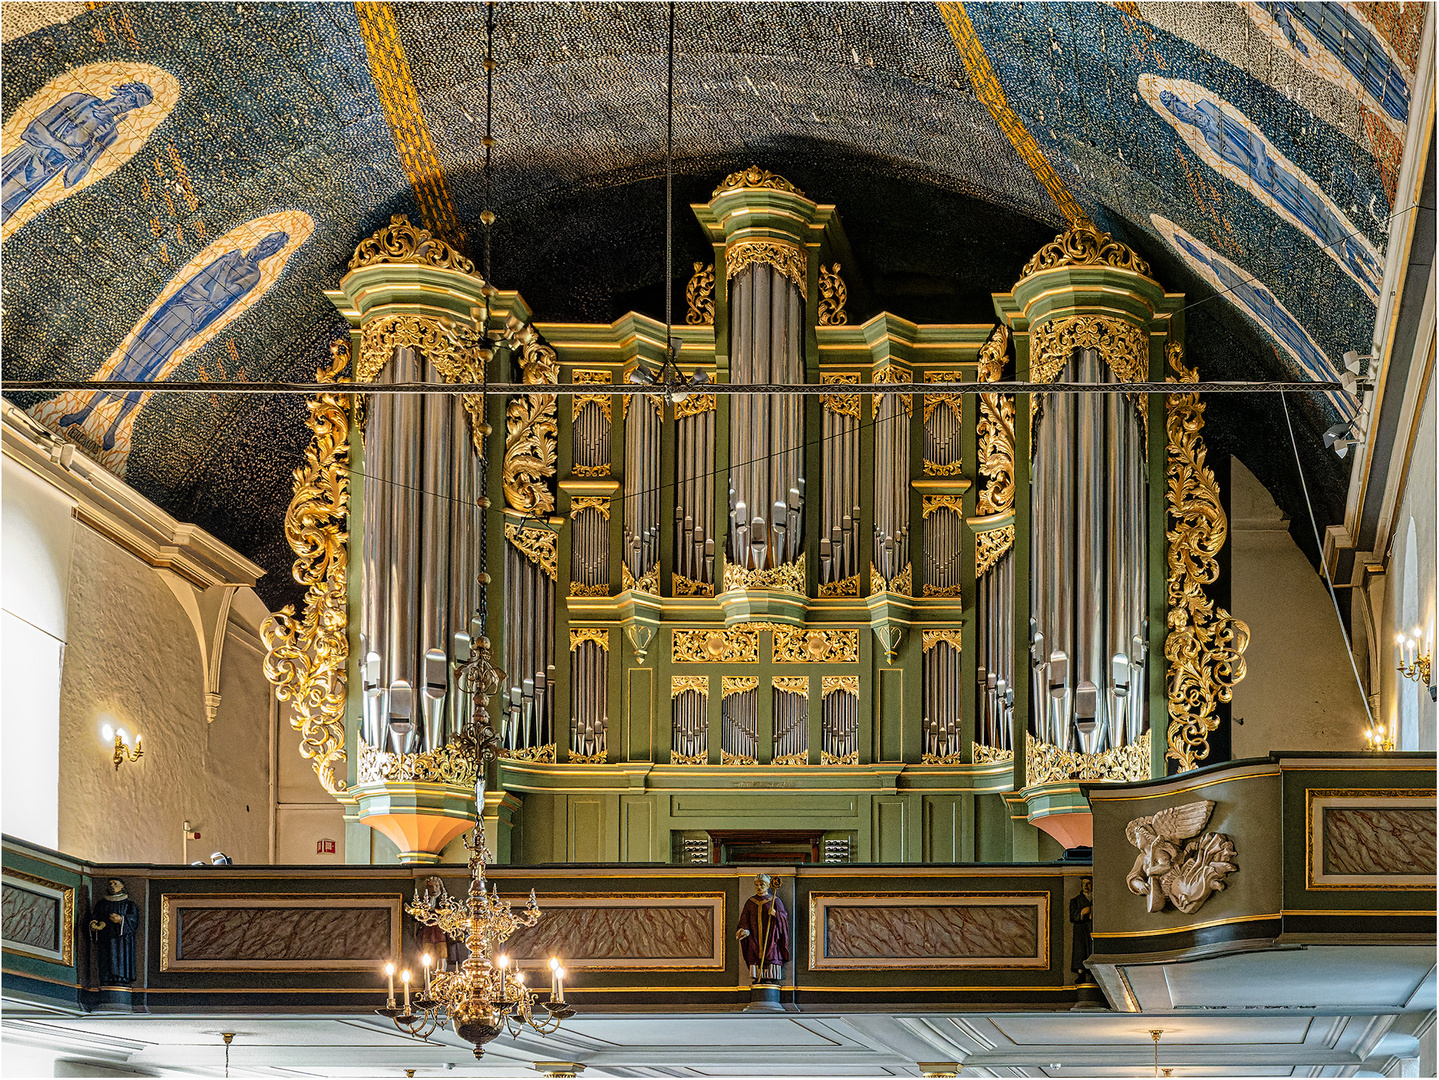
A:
(1165, 872)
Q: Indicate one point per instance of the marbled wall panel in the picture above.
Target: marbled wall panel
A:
(30, 919)
(1364, 840)
(628, 933)
(207, 933)
(892, 931)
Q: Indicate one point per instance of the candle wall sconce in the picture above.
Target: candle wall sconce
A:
(123, 750)
(1414, 664)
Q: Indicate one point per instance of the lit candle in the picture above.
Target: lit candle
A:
(390, 974)
(554, 977)
(426, 961)
(559, 993)
(405, 978)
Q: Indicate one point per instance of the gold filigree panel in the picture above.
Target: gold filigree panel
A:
(734, 645)
(931, 638)
(648, 582)
(793, 645)
(700, 296)
(702, 758)
(787, 576)
(580, 503)
(540, 546)
(787, 257)
(844, 404)
(1045, 763)
(694, 405)
(827, 758)
(738, 684)
(600, 401)
(686, 684)
(580, 634)
(1205, 644)
(900, 584)
(792, 684)
(1084, 245)
(1123, 346)
(832, 297)
(684, 586)
(541, 755)
(839, 684)
(844, 587)
(990, 546)
(893, 373)
(995, 431)
(453, 763)
(531, 432)
(987, 755)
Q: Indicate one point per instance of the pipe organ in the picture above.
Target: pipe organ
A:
(994, 594)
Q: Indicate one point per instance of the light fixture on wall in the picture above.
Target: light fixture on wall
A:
(123, 750)
(1357, 378)
(1414, 664)
(1381, 737)
(1341, 437)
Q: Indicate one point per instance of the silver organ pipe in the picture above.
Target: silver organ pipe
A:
(1088, 591)
(942, 703)
(689, 725)
(839, 727)
(791, 723)
(766, 484)
(589, 701)
(891, 485)
(590, 547)
(419, 560)
(694, 503)
(642, 485)
(839, 505)
(995, 668)
(739, 727)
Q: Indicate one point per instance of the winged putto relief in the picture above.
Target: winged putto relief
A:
(1173, 867)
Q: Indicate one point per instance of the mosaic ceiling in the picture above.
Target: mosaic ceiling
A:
(181, 181)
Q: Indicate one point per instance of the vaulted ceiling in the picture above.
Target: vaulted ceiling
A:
(954, 140)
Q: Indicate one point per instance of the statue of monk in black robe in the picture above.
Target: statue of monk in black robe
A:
(113, 921)
(763, 932)
(1081, 914)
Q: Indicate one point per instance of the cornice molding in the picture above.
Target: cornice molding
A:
(117, 511)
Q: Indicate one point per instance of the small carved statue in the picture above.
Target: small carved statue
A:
(1166, 873)
(447, 952)
(113, 922)
(1081, 914)
(763, 933)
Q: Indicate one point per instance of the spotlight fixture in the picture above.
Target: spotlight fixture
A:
(1341, 437)
(1356, 378)
(673, 383)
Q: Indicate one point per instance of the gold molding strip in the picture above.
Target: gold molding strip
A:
(396, 89)
(988, 90)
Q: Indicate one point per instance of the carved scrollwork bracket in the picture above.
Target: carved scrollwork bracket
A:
(700, 296)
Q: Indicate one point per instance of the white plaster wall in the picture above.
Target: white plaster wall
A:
(1409, 591)
(36, 530)
(133, 661)
(1300, 692)
(306, 813)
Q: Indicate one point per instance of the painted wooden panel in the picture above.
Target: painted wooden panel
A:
(586, 820)
(890, 828)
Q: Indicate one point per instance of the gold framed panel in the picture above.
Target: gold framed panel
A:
(924, 957)
(1319, 801)
(574, 961)
(173, 905)
(64, 897)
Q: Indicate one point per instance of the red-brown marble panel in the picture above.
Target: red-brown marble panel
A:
(30, 918)
(284, 933)
(931, 932)
(1379, 840)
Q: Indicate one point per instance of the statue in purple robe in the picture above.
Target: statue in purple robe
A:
(763, 932)
(65, 139)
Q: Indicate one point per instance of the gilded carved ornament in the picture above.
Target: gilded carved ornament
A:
(1046, 763)
(694, 405)
(832, 297)
(305, 657)
(989, 548)
(598, 635)
(789, 577)
(839, 684)
(700, 296)
(648, 582)
(793, 645)
(787, 258)
(893, 373)
(933, 504)
(1204, 647)
(580, 503)
(599, 757)
(1084, 245)
(792, 684)
(600, 401)
(988, 755)
(899, 584)
(683, 586)
(995, 431)
(955, 404)
(701, 758)
(452, 763)
(1121, 345)
(931, 638)
(454, 350)
(955, 758)
(541, 755)
(1165, 872)
(799, 757)
(828, 758)
(736, 645)
(401, 242)
(737, 684)
(540, 545)
(849, 586)
(683, 684)
(843, 404)
(579, 588)
(755, 177)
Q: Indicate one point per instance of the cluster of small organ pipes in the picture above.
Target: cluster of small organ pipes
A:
(739, 727)
(641, 534)
(527, 714)
(589, 693)
(891, 486)
(839, 503)
(695, 496)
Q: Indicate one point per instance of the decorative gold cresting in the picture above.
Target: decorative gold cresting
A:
(787, 257)
(755, 177)
(700, 295)
(401, 242)
(792, 684)
(794, 645)
(1045, 763)
(738, 644)
(600, 401)
(988, 755)
(453, 763)
(540, 545)
(931, 638)
(989, 546)
(893, 373)
(832, 297)
(531, 432)
(541, 755)
(738, 684)
(789, 577)
(1123, 346)
(580, 634)
(1205, 644)
(839, 684)
(580, 503)
(305, 658)
(1084, 245)
(684, 684)
(843, 404)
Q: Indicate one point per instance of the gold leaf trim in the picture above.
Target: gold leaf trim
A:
(990, 546)
(682, 684)
(844, 587)
(792, 684)
(735, 645)
(931, 638)
(932, 504)
(893, 373)
(599, 757)
(755, 177)
(727, 758)
(794, 645)
(1046, 763)
(543, 755)
(305, 658)
(694, 405)
(827, 758)
(684, 586)
(799, 757)
(453, 763)
(401, 242)
(832, 297)
(580, 634)
(786, 257)
(1205, 644)
(899, 585)
(580, 589)
(649, 582)
(788, 576)
(540, 546)
(843, 404)
(1084, 245)
(702, 758)
(580, 503)
(579, 401)
(985, 755)
(700, 295)
(1123, 346)
(995, 431)
(838, 684)
(737, 684)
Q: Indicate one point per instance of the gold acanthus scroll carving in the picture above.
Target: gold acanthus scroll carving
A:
(1121, 345)
(648, 582)
(844, 404)
(832, 297)
(839, 684)
(989, 548)
(893, 373)
(900, 584)
(580, 635)
(1045, 763)
(755, 177)
(580, 503)
(1205, 644)
(453, 349)
(849, 586)
(684, 586)
(738, 684)
(600, 401)
(955, 404)
(789, 577)
(736, 645)
(793, 645)
(931, 638)
(401, 242)
(995, 431)
(1084, 245)
(786, 257)
(693, 405)
(305, 657)
(686, 684)
(540, 545)
(531, 432)
(700, 295)
(792, 684)
(452, 763)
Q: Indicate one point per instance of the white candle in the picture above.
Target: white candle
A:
(405, 978)
(554, 976)
(390, 974)
(426, 961)
(560, 985)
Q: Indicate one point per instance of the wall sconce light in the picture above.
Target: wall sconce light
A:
(123, 751)
(1414, 664)
(1380, 737)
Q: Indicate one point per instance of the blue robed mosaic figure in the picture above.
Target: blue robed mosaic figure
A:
(1246, 151)
(196, 305)
(67, 138)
